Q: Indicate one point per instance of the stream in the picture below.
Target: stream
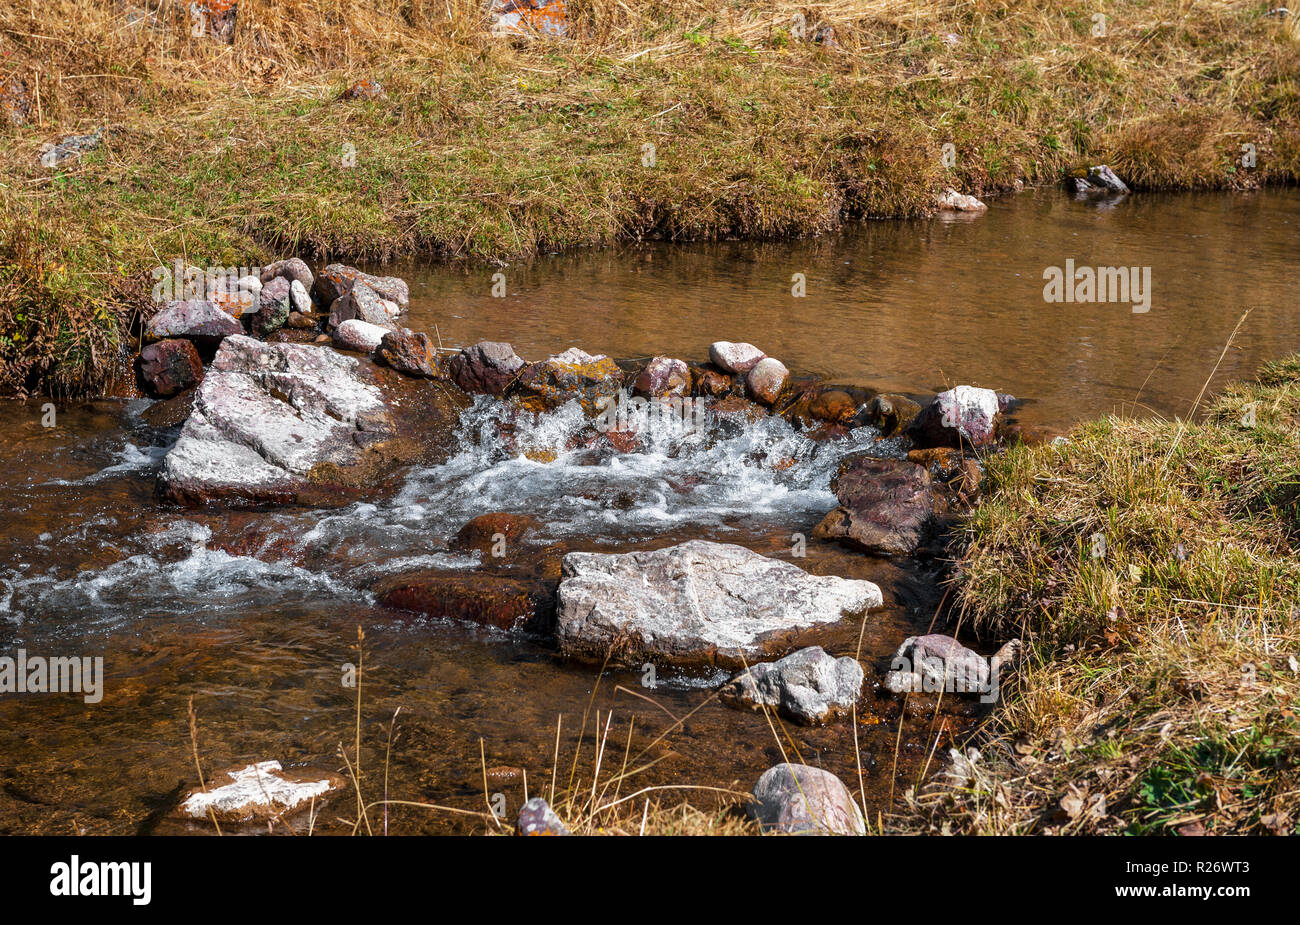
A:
(253, 615)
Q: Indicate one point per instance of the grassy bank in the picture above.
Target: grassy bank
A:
(1162, 683)
(232, 154)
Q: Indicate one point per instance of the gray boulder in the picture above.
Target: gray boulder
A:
(885, 505)
(1096, 181)
(193, 319)
(698, 603)
(796, 799)
(337, 280)
(937, 663)
(268, 419)
(809, 686)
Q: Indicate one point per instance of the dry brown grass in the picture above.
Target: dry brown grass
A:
(1164, 675)
(230, 154)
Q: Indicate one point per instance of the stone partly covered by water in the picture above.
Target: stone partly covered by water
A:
(1099, 180)
(265, 417)
(952, 201)
(935, 662)
(809, 686)
(169, 366)
(260, 792)
(573, 374)
(663, 377)
(409, 352)
(962, 416)
(488, 367)
(766, 379)
(885, 505)
(699, 603)
(795, 799)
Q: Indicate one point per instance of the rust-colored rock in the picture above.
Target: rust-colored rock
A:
(364, 89)
(833, 406)
(491, 600)
(169, 367)
(410, 353)
(529, 18)
(482, 532)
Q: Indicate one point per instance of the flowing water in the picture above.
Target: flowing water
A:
(254, 615)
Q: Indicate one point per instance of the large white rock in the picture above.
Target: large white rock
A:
(260, 791)
(696, 603)
(264, 416)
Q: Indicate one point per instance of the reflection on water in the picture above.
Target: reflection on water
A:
(254, 615)
(921, 304)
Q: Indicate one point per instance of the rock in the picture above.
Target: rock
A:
(662, 377)
(215, 19)
(269, 418)
(361, 303)
(301, 322)
(711, 383)
(68, 147)
(935, 662)
(482, 532)
(364, 89)
(272, 307)
(885, 505)
(337, 280)
(508, 603)
(766, 379)
(734, 358)
(299, 298)
(962, 416)
(15, 101)
(169, 367)
(568, 376)
(824, 34)
(833, 407)
(360, 336)
(696, 603)
(891, 414)
(796, 799)
(260, 792)
(537, 818)
(410, 353)
(294, 269)
(808, 686)
(193, 319)
(487, 368)
(528, 18)
(952, 201)
(1096, 181)
(501, 775)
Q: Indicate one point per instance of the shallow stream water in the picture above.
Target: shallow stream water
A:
(253, 615)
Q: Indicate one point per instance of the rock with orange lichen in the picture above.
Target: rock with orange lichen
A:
(529, 18)
(569, 376)
(214, 19)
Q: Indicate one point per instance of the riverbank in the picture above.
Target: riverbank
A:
(1150, 567)
(691, 124)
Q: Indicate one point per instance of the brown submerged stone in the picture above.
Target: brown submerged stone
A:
(501, 601)
(481, 532)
